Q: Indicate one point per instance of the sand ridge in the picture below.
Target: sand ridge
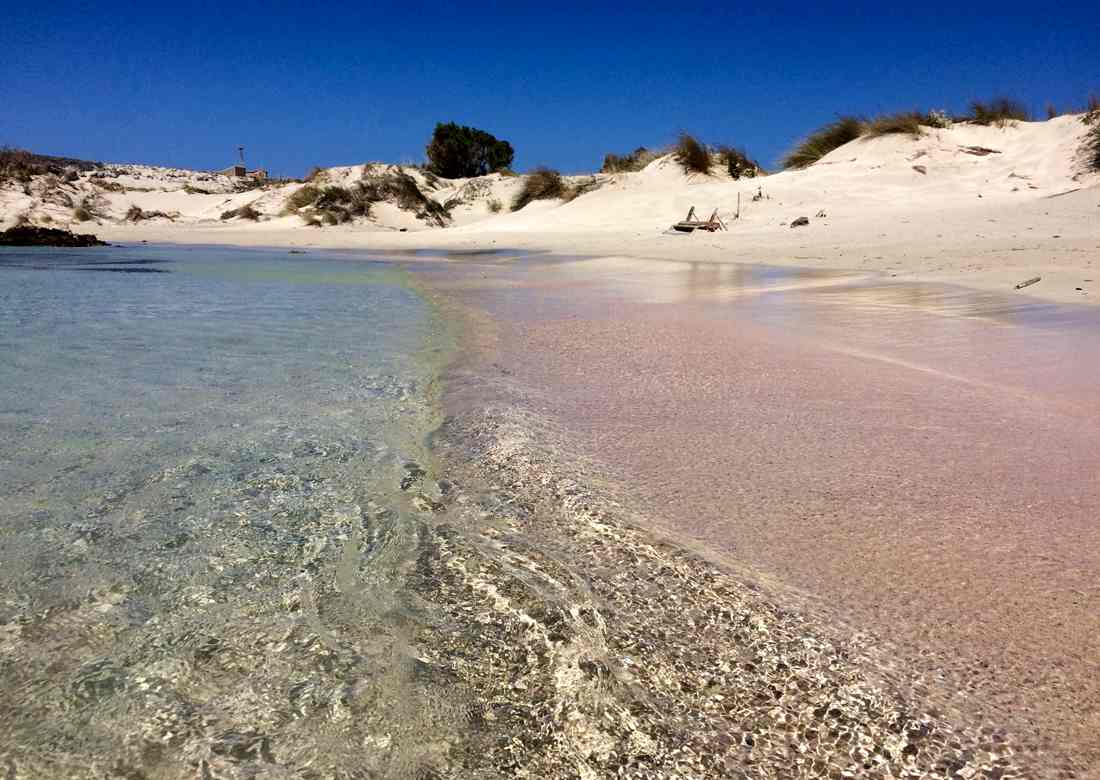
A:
(983, 206)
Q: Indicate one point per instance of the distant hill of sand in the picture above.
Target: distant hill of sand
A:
(980, 205)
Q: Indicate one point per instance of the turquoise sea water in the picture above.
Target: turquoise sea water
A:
(203, 532)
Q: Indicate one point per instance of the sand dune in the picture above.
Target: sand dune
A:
(984, 206)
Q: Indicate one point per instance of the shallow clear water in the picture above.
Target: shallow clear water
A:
(203, 532)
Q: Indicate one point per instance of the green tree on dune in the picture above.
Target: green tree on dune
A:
(457, 151)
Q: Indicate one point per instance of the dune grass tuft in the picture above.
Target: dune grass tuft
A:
(540, 184)
(394, 184)
(692, 155)
(1090, 146)
(999, 112)
(91, 206)
(334, 205)
(137, 214)
(906, 122)
(824, 140)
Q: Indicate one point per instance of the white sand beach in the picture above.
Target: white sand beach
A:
(983, 206)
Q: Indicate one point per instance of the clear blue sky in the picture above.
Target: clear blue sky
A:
(303, 84)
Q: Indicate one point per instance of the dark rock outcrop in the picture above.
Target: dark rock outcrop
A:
(29, 235)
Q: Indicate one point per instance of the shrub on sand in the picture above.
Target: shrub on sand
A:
(91, 206)
(540, 184)
(627, 163)
(938, 118)
(495, 206)
(999, 112)
(739, 164)
(109, 186)
(244, 212)
(302, 197)
(824, 140)
(248, 212)
(135, 214)
(693, 156)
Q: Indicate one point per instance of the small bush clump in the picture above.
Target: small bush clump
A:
(90, 207)
(999, 112)
(244, 212)
(628, 163)
(540, 184)
(137, 214)
(938, 119)
(739, 165)
(109, 186)
(824, 140)
(693, 156)
(302, 197)
(248, 212)
(495, 206)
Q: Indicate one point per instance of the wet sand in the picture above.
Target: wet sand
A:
(918, 462)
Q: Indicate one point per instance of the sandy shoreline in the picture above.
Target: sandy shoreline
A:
(893, 536)
(984, 207)
(989, 249)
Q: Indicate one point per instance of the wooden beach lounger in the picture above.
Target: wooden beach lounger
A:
(689, 223)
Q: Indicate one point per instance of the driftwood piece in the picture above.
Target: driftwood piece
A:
(1029, 282)
(980, 151)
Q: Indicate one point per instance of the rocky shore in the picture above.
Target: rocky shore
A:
(29, 235)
